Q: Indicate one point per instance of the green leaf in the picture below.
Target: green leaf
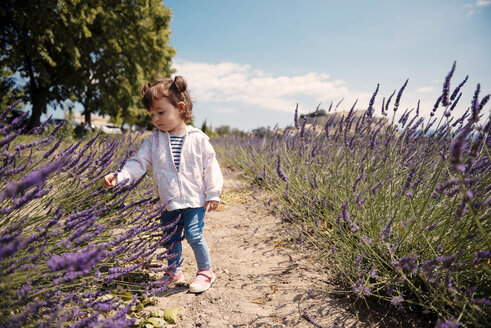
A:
(156, 322)
(157, 313)
(149, 300)
(124, 296)
(170, 315)
(137, 307)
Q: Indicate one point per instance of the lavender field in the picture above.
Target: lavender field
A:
(398, 208)
(72, 253)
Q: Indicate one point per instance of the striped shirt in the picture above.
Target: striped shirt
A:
(176, 146)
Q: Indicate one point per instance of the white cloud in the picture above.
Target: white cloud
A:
(476, 6)
(230, 82)
(425, 89)
(483, 3)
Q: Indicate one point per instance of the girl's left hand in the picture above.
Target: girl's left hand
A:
(211, 205)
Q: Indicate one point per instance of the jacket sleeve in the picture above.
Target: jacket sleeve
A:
(212, 175)
(137, 165)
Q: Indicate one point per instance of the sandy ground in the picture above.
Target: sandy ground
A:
(261, 281)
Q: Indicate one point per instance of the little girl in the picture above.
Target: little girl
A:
(185, 173)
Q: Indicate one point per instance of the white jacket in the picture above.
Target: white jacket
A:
(199, 178)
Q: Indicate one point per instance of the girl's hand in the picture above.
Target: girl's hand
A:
(109, 180)
(211, 205)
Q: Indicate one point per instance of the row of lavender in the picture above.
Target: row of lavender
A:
(400, 209)
(65, 242)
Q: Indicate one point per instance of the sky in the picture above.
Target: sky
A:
(248, 63)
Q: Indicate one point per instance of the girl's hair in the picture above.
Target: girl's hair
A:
(173, 89)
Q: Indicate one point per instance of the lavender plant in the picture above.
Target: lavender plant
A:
(399, 206)
(67, 244)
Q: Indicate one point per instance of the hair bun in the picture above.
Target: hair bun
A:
(180, 84)
(145, 88)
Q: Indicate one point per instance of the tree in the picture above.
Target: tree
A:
(96, 52)
(9, 91)
(223, 130)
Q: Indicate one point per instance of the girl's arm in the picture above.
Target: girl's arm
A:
(212, 175)
(137, 165)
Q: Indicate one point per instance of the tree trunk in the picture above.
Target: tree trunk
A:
(87, 117)
(38, 97)
(38, 108)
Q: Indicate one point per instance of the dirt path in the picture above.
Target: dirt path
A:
(260, 283)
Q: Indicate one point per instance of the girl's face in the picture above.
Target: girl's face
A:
(166, 117)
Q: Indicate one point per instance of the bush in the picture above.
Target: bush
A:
(66, 243)
(399, 209)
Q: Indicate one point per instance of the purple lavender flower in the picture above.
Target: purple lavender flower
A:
(77, 261)
(446, 86)
(56, 145)
(399, 95)
(346, 217)
(455, 102)
(475, 106)
(357, 261)
(407, 263)
(435, 107)
(383, 106)
(484, 101)
(7, 250)
(358, 287)
(366, 239)
(302, 130)
(397, 300)
(428, 268)
(16, 123)
(3, 114)
(450, 323)
(357, 180)
(307, 317)
(297, 125)
(374, 189)
(280, 172)
(373, 273)
(33, 178)
(457, 89)
(386, 230)
(457, 148)
(388, 101)
(480, 255)
(32, 144)
(370, 104)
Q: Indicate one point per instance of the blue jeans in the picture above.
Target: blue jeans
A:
(192, 221)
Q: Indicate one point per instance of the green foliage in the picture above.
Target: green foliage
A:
(208, 130)
(223, 130)
(93, 52)
(317, 113)
(9, 91)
